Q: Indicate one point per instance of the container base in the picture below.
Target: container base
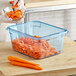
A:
(38, 58)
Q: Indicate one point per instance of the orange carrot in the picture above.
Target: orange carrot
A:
(11, 2)
(56, 52)
(26, 65)
(15, 15)
(13, 58)
(37, 36)
(15, 6)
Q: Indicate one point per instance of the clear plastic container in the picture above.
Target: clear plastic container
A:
(37, 39)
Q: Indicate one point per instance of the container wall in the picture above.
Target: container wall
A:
(40, 43)
(37, 48)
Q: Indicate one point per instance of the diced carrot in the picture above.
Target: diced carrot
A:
(11, 2)
(37, 36)
(19, 11)
(15, 6)
(8, 15)
(11, 12)
(33, 47)
(22, 38)
(18, 15)
(52, 53)
(15, 15)
(56, 52)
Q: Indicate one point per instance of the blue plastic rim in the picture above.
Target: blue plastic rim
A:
(30, 22)
(53, 34)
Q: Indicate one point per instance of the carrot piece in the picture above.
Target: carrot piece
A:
(26, 65)
(13, 58)
(11, 2)
(56, 52)
(11, 12)
(19, 11)
(15, 15)
(37, 36)
(18, 15)
(52, 53)
(15, 6)
(8, 14)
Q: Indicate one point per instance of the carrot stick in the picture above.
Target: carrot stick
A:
(26, 65)
(13, 58)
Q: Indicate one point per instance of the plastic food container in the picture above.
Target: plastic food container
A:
(37, 39)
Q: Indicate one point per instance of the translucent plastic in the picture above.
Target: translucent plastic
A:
(37, 39)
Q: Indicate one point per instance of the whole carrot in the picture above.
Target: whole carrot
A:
(26, 65)
(13, 58)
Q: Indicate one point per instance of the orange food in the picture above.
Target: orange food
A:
(15, 6)
(11, 2)
(15, 15)
(19, 11)
(35, 48)
(37, 36)
(26, 65)
(17, 59)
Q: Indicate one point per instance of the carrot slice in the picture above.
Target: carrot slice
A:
(15, 15)
(13, 58)
(8, 14)
(15, 6)
(26, 65)
(37, 36)
(11, 2)
(19, 11)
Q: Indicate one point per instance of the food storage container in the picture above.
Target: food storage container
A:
(37, 39)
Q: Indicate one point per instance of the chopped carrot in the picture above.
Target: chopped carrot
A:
(11, 2)
(19, 11)
(18, 15)
(8, 15)
(11, 12)
(15, 15)
(13, 58)
(15, 6)
(35, 48)
(26, 65)
(37, 36)
(56, 52)
(52, 53)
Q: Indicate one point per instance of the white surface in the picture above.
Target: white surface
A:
(51, 8)
(70, 23)
(4, 34)
(4, 4)
(5, 19)
(7, 9)
(52, 17)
